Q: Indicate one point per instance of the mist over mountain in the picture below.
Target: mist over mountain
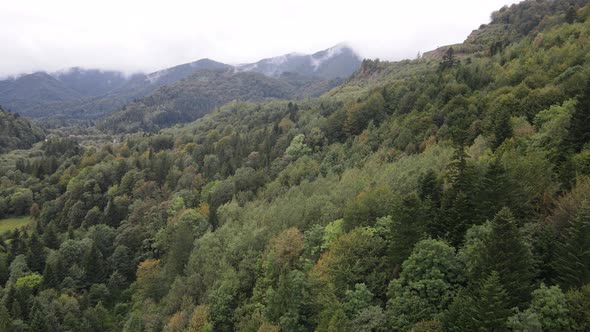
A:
(90, 93)
(338, 61)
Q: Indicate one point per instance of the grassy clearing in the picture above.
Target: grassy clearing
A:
(13, 223)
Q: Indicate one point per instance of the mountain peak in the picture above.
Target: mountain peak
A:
(338, 61)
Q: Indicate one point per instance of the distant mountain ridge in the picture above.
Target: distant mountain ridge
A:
(92, 93)
(338, 61)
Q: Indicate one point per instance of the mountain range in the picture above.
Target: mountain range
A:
(91, 93)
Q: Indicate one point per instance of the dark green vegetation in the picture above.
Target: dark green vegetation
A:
(450, 193)
(198, 95)
(17, 132)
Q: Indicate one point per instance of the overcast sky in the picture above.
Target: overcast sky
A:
(147, 35)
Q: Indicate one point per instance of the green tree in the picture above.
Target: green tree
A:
(579, 306)
(94, 265)
(502, 126)
(579, 131)
(571, 15)
(572, 258)
(492, 305)
(428, 282)
(5, 319)
(449, 60)
(549, 307)
(36, 253)
(357, 300)
(507, 253)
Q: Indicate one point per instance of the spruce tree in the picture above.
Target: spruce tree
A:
(571, 15)
(459, 316)
(38, 320)
(492, 306)
(35, 253)
(572, 259)
(5, 319)
(49, 237)
(502, 127)
(94, 265)
(579, 131)
(459, 207)
(495, 193)
(506, 252)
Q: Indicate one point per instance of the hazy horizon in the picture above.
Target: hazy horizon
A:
(146, 36)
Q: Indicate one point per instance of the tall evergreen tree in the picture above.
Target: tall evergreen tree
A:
(38, 320)
(506, 252)
(502, 127)
(572, 259)
(579, 131)
(94, 265)
(50, 239)
(495, 192)
(459, 207)
(5, 319)
(492, 306)
(35, 253)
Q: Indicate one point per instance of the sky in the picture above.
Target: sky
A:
(144, 36)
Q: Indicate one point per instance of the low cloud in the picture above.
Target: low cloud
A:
(145, 36)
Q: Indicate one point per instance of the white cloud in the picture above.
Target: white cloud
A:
(133, 35)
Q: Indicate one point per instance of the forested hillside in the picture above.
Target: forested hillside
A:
(447, 193)
(17, 132)
(199, 94)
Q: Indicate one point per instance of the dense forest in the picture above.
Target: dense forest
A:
(446, 193)
(199, 94)
(17, 132)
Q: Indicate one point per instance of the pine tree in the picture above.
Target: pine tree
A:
(38, 320)
(49, 278)
(459, 207)
(571, 15)
(495, 193)
(579, 131)
(5, 319)
(448, 60)
(35, 253)
(459, 316)
(572, 261)
(502, 128)
(50, 237)
(94, 265)
(506, 252)
(492, 306)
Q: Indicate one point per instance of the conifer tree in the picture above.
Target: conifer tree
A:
(94, 265)
(459, 207)
(49, 237)
(493, 305)
(502, 127)
(38, 320)
(495, 193)
(579, 131)
(35, 253)
(571, 15)
(5, 319)
(572, 261)
(506, 252)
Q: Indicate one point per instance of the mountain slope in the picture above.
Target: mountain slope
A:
(193, 97)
